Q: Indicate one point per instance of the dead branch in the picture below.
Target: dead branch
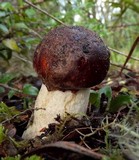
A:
(118, 52)
(119, 66)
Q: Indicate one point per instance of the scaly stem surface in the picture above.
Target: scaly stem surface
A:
(49, 104)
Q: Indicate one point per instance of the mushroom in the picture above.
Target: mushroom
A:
(69, 60)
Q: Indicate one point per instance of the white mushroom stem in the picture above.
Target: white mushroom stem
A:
(51, 103)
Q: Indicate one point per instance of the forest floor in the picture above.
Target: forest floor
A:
(105, 133)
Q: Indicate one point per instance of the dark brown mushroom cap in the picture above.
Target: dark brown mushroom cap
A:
(71, 58)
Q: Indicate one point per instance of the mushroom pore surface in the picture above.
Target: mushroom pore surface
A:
(71, 58)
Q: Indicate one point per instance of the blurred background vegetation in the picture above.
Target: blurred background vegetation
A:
(22, 27)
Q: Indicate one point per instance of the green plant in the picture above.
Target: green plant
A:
(18, 157)
(14, 30)
(2, 134)
(113, 103)
(7, 112)
(95, 96)
(6, 83)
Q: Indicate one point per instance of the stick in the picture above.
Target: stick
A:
(129, 55)
(116, 51)
(45, 12)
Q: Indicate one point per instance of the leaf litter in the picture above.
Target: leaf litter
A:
(72, 138)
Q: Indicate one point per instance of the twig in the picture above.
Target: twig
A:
(8, 87)
(117, 65)
(129, 55)
(116, 51)
(23, 59)
(112, 124)
(123, 25)
(35, 33)
(128, 130)
(95, 131)
(13, 117)
(85, 143)
(35, 3)
(45, 12)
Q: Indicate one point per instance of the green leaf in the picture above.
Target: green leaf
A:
(13, 111)
(29, 89)
(6, 54)
(7, 112)
(7, 77)
(21, 25)
(32, 40)
(3, 29)
(4, 112)
(34, 157)
(11, 43)
(2, 89)
(94, 98)
(2, 134)
(30, 12)
(3, 14)
(118, 102)
(18, 157)
(11, 93)
(107, 91)
(6, 6)
(20, 2)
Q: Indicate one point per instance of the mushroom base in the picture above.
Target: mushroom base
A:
(49, 104)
